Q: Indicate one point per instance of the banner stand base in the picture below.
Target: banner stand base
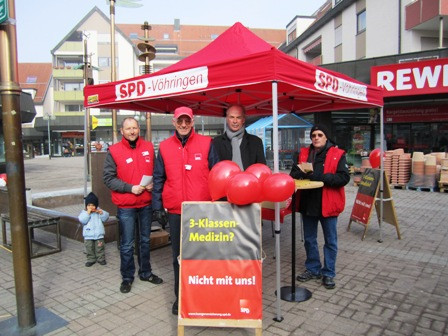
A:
(294, 294)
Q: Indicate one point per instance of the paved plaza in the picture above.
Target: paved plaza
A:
(397, 287)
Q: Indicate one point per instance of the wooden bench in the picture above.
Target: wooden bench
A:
(36, 220)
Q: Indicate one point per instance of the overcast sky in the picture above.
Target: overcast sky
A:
(42, 24)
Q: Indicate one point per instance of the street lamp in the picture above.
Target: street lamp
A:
(113, 76)
(47, 116)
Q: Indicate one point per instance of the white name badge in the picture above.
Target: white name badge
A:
(145, 153)
(129, 160)
(188, 167)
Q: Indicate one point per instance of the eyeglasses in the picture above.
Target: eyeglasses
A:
(315, 135)
(181, 121)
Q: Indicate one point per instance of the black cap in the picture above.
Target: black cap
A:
(91, 199)
(322, 128)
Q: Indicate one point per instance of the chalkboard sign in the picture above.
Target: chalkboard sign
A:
(369, 194)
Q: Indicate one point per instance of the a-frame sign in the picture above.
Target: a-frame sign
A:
(369, 193)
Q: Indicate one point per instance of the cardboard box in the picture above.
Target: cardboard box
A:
(159, 238)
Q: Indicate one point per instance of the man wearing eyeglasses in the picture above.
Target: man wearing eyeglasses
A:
(181, 174)
(322, 161)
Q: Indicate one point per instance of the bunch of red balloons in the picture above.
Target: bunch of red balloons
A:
(254, 185)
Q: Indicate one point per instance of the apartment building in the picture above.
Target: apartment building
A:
(400, 45)
(89, 43)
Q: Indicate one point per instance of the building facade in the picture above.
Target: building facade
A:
(88, 45)
(369, 38)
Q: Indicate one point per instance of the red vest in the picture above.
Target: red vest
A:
(132, 164)
(186, 170)
(333, 199)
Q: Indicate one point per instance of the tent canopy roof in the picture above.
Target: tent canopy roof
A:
(237, 67)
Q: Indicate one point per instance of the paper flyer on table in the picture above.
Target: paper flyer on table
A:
(146, 179)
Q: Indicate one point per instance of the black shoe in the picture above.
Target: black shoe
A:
(152, 279)
(328, 282)
(103, 262)
(90, 263)
(175, 309)
(125, 286)
(307, 275)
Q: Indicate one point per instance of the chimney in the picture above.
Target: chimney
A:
(176, 24)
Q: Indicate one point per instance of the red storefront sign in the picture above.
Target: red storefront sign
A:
(428, 113)
(413, 78)
(76, 135)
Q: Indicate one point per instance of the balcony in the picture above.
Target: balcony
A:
(426, 15)
(65, 96)
(67, 73)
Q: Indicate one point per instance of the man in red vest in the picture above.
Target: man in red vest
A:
(126, 163)
(322, 204)
(181, 174)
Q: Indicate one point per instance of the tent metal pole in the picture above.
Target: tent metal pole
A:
(380, 240)
(279, 317)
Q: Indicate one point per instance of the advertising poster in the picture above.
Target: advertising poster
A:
(365, 198)
(220, 264)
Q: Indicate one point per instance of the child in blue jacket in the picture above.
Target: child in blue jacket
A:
(92, 219)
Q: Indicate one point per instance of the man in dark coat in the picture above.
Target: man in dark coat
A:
(236, 144)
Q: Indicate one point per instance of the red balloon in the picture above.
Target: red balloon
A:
(261, 171)
(243, 188)
(278, 187)
(375, 158)
(219, 176)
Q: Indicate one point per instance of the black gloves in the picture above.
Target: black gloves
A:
(161, 217)
(297, 173)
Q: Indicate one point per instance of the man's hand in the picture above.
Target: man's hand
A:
(137, 189)
(161, 217)
(149, 187)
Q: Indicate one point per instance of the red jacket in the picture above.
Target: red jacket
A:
(132, 164)
(333, 199)
(186, 170)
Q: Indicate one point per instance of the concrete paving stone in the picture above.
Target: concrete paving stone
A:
(388, 332)
(426, 332)
(67, 332)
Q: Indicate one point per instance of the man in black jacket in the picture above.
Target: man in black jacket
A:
(236, 144)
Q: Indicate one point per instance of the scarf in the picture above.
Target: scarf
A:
(236, 138)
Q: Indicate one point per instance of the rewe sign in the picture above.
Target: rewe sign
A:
(416, 78)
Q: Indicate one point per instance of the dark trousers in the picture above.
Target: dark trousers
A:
(95, 250)
(174, 223)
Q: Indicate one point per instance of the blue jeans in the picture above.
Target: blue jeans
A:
(129, 220)
(329, 228)
(174, 223)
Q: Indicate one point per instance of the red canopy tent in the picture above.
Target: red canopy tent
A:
(239, 67)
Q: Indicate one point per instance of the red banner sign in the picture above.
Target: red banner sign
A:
(430, 113)
(365, 198)
(220, 269)
(413, 78)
